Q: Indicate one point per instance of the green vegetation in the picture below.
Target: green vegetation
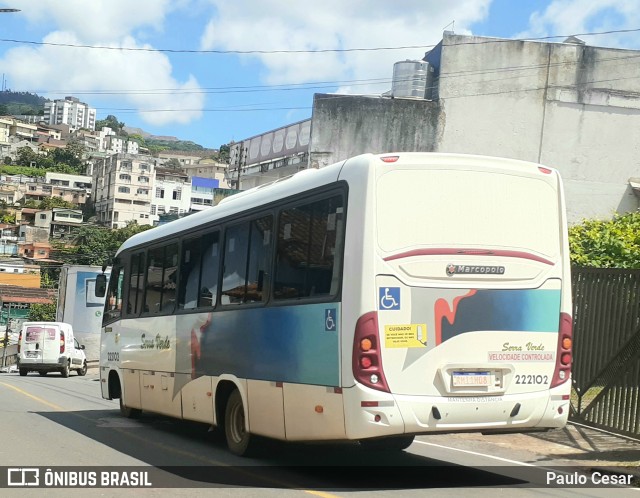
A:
(111, 122)
(42, 312)
(613, 243)
(95, 245)
(21, 103)
(66, 160)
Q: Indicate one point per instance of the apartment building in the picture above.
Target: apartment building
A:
(171, 193)
(117, 145)
(122, 185)
(66, 180)
(39, 190)
(208, 168)
(5, 128)
(70, 111)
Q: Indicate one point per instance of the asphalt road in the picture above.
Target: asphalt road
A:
(64, 424)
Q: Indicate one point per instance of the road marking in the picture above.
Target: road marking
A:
(40, 400)
(478, 454)
(322, 494)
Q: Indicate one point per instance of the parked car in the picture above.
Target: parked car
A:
(49, 347)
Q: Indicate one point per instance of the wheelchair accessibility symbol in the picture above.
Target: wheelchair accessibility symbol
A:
(389, 298)
(330, 320)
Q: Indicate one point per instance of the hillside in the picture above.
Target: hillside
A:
(21, 103)
(14, 103)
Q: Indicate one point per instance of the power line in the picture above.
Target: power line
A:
(328, 84)
(307, 51)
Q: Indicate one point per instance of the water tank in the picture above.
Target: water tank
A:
(412, 79)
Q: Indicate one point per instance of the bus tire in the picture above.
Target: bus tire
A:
(127, 411)
(23, 372)
(65, 370)
(238, 438)
(43, 373)
(83, 371)
(393, 443)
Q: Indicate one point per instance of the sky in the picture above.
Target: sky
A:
(216, 71)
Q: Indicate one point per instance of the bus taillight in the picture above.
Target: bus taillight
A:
(366, 359)
(19, 341)
(563, 354)
(61, 342)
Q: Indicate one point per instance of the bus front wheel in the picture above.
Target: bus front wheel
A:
(393, 443)
(238, 438)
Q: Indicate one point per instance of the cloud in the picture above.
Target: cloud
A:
(565, 17)
(335, 24)
(71, 71)
(127, 76)
(97, 21)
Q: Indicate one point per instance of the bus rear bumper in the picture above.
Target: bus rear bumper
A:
(377, 414)
(463, 413)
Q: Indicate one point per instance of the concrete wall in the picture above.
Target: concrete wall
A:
(345, 126)
(572, 107)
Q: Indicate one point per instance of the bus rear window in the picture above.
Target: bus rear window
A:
(458, 208)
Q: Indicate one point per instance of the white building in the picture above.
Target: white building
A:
(117, 145)
(122, 185)
(171, 193)
(567, 105)
(70, 111)
(65, 180)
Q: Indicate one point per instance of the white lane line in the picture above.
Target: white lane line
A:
(478, 454)
(524, 464)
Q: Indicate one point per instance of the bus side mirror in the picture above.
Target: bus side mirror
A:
(101, 285)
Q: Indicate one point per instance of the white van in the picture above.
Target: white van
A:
(49, 347)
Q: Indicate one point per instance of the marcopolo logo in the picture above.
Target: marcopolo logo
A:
(474, 270)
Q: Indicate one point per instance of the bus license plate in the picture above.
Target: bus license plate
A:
(31, 354)
(471, 379)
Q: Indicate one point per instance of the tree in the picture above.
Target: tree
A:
(54, 202)
(111, 122)
(96, 245)
(26, 157)
(223, 153)
(71, 155)
(173, 163)
(611, 243)
(42, 312)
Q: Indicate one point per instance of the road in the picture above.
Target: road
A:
(52, 422)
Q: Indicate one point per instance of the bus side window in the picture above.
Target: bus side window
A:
(309, 242)
(136, 281)
(189, 274)
(292, 252)
(113, 302)
(161, 274)
(259, 259)
(234, 277)
(210, 268)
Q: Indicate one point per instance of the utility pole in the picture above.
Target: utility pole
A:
(242, 160)
(6, 337)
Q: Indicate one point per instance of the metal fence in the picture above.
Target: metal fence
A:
(606, 349)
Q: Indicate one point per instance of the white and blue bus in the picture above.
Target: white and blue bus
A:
(375, 299)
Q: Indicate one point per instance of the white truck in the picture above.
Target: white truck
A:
(49, 347)
(79, 306)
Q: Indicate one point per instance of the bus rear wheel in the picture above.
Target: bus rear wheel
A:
(127, 411)
(393, 443)
(238, 438)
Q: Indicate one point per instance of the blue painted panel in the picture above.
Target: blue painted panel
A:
(287, 344)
